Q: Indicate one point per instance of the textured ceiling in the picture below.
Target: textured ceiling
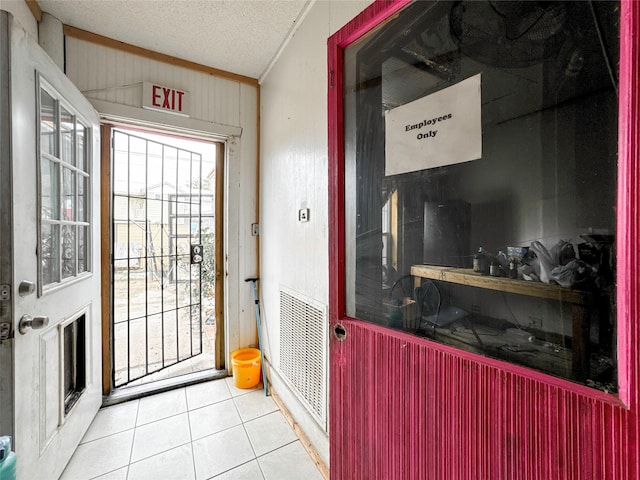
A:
(240, 36)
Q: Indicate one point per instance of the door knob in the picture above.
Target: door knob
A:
(27, 322)
(26, 288)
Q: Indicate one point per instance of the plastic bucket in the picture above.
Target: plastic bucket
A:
(246, 367)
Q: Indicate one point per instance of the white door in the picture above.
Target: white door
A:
(55, 154)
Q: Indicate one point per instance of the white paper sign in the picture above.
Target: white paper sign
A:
(440, 129)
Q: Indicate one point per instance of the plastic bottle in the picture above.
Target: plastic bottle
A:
(513, 268)
(7, 460)
(481, 262)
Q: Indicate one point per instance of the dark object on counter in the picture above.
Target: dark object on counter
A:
(447, 227)
(566, 254)
(481, 262)
(513, 269)
(495, 270)
(396, 318)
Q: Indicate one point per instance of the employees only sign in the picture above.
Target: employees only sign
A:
(440, 129)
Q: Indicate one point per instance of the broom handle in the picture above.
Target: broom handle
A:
(255, 297)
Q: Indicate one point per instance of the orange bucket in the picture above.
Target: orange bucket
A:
(246, 367)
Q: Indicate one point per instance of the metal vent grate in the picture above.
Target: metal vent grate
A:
(303, 350)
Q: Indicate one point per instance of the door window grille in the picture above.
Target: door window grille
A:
(64, 192)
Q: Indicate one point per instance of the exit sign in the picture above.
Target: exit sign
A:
(165, 99)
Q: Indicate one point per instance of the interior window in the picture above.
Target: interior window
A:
(63, 186)
(481, 177)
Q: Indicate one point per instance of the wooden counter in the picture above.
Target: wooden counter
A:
(580, 302)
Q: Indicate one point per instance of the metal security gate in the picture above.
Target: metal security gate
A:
(162, 252)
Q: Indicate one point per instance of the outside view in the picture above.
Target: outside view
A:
(163, 289)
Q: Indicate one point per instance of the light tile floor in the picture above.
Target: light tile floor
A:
(211, 430)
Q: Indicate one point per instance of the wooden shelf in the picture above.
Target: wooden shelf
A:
(579, 301)
(463, 276)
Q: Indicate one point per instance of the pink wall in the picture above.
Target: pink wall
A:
(405, 408)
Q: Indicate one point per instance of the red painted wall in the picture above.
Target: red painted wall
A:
(404, 408)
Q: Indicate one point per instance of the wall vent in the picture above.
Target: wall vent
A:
(303, 342)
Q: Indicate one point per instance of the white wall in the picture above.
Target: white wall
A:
(293, 175)
(112, 81)
(21, 14)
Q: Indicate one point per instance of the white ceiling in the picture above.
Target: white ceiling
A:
(239, 36)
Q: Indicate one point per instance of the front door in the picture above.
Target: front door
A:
(55, 286)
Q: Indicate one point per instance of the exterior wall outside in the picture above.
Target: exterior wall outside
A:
(437, 412)
(114, 78)
(293, 175)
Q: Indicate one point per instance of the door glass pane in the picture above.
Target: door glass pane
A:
(67, 127)
(83, 249)
(48, 124)
(49, 189)
(479, 203)
(64, 186)
(68, 251)
(49, 255)
(68, 194)
(81, 138)
(82, 198)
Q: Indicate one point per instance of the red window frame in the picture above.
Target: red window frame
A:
(628, 199)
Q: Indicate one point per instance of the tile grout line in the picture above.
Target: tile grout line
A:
(279, 448)
(189, 442)
(255, 456)
(133, 439)
(304, 441)
(193, 454)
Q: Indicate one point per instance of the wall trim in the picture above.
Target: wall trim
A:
(312, 436)
(292, 31)
(306, 443)
(120, 113)
(36, 11)
(87, 36)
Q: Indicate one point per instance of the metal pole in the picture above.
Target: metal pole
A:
(255, 297)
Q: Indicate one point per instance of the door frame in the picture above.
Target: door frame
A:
(6, 225)
(108, 123)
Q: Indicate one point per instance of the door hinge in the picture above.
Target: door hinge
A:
(5, 291)
(330, 78)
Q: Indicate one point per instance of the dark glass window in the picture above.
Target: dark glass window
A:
(481, 177)
(74, 361)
